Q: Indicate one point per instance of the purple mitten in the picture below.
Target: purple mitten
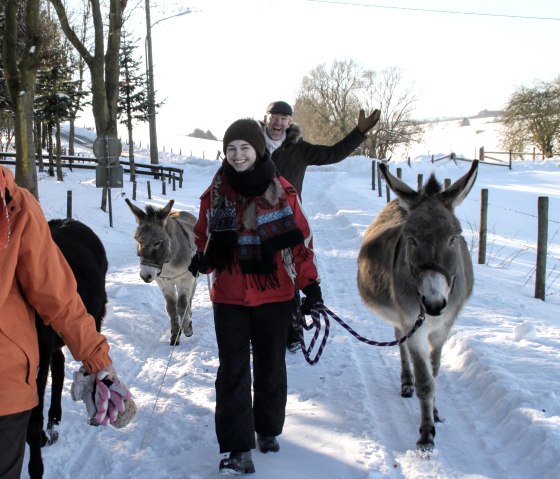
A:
(111, 394)
(102, 396)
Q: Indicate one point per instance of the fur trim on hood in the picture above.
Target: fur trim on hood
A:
(293, 134)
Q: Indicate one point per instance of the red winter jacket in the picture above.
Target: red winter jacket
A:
(231, 288)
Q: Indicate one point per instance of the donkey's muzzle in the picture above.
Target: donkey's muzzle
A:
(149, 271)
(433, 289)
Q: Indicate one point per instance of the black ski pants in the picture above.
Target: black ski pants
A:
(238, 414)
(13, 431)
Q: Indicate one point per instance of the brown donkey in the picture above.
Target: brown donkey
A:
(414, 260)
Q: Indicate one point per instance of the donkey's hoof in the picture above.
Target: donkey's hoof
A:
(425, 442)
(188, 331)
(174, 341)
(407, 391)
(52, 436)
(425, 449)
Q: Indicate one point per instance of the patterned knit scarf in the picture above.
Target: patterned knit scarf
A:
(4, 218)
(266, 222)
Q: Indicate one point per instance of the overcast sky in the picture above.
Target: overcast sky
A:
(229, 59)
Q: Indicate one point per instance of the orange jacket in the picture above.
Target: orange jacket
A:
(35, 276)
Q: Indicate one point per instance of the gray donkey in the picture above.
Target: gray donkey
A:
(413, 261)
(165, 246)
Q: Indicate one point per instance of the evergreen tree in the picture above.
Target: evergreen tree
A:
(133, 95)
(52, 104)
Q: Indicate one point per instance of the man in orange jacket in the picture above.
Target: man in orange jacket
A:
(35, 277)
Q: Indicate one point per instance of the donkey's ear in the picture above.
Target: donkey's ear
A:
(405, 193)
(138, 212)
(164, 212)
(458, 191)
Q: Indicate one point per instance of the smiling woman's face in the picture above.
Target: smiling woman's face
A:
(241, 155)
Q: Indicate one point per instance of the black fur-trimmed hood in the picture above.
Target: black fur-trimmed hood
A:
(293, 134)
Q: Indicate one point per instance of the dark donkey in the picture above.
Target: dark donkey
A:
(86, 256)
(165, 246)
(414, 260)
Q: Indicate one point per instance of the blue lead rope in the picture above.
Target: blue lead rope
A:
(319, 310)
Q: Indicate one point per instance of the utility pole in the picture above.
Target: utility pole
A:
(154, 157)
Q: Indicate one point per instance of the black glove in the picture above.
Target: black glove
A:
(200, 263)
(366, 123)
(312, 297)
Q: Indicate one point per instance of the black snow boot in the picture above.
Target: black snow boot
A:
(268, 443)
(237, 463)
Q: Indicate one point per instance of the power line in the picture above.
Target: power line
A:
(429, 10)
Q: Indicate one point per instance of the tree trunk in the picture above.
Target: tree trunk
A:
(131, 153)
(103, 65)
(38, 148)
(71, 136)
(59, 175)
(20, 76)
(50, 149)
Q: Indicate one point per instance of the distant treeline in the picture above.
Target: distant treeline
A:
(205, 135)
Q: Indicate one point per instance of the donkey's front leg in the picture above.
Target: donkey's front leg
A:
(170, 296)
(407, 376)
(186, 294)
(425, 391)
(435, 358)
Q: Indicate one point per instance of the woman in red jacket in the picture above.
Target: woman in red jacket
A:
(36, 277)
(252, 233)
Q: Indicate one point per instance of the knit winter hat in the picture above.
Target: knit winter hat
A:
(248, 130)
(280, 108)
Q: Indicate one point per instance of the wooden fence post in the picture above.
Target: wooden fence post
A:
(541, 247)
(149, 190)
(483, 226)
(399, 173)
(379, 182)
(69, 204)
(134, 190)
(446, 183)
(373, 168)
(481, 153)
(420, 181)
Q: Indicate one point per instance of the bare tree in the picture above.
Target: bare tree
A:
(103, 63)
(532, 117)
(21, 60)
(396, 100)
(330, 99)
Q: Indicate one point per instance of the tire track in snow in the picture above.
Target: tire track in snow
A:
(371, 372)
